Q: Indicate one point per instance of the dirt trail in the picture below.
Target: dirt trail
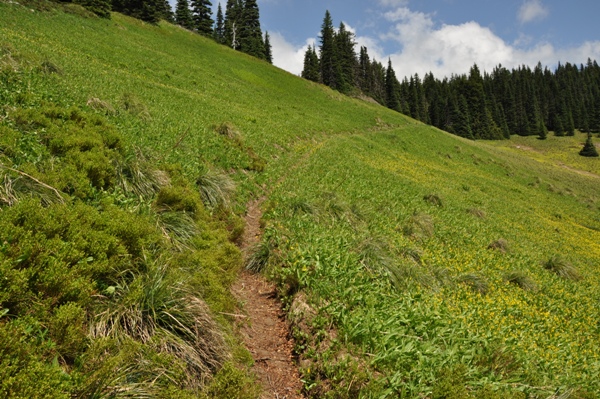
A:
(265, 331)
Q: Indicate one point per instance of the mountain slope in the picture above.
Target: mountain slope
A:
(413, 263)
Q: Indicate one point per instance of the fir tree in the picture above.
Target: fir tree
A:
(219, 31)
(251, 38)
(346, 63)
(589, 149)
(183, 15)
(145, 10)
(165, 11)
(542, 131)
(391, 88)
(202, 16)
(268, 49)
(233, 22)
(311, 65)
(101, 8)
(327, 51)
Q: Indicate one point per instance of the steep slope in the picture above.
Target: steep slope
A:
(413, 263)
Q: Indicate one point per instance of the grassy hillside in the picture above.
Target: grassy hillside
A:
(413, 263)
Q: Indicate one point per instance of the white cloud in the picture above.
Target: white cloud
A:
(453, 49)
(286, 55)
(422, 47)
(532, 10)
(393, 3)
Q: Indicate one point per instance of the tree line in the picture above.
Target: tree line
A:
(237, 27)
(476, 105)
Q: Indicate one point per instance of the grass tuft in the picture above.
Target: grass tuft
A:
(477, 213)
(419, 226)
(474, 281)
(101, 105)
(154, 310)
(216, 188)
(562, 268)
(260, 255)
(433, 199)
(500, 245)
(520, 279)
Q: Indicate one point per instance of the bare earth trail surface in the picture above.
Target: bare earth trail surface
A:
(265, 330)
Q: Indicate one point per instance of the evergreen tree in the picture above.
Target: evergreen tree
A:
(391, 88)
(183, 15)
(101, 8)
(589, 149)
(311, 65)
(346, 63)
(233, 23)
(542, 130)
(219, 31)
(268, 49)
(165, 11)
(251, 38)
(327, 51)
(202, 16)
(146, 10)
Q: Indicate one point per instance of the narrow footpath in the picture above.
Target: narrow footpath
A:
(264, 328)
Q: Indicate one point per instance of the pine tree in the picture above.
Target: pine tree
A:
(268, 49)
(327, 51)
(202, 16)
(346, 63)
(233, 23)
(219, 30)
(589, 149)
(101, 8)
(165, 11)
(146, 10)
(391, 88)
(251, 38)
(311, 65)
(542, 131)
(183, 15)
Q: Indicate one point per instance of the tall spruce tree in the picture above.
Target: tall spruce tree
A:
(311, 65)
(101, 8)
(346, 62)
(165, 11)
(219, 30)
(589, 149)
(391, 88)
(233, 23)
(251, 38)
(202, 16)
(327, 51)
(146, 10)
(183, 15)
(268, 49)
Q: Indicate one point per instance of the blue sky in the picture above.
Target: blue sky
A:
(441, 36)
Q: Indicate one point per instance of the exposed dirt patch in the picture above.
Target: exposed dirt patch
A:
(264, 328)
(581, 172)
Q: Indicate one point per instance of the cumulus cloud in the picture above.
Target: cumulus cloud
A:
(393, 3)
(416, 44)
(532, 10)
(452, 49)
(286, 55)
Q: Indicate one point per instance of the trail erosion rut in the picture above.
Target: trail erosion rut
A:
(264, 330)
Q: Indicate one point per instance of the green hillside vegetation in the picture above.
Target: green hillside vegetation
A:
(412, 263)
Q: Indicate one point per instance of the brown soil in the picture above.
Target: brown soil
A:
(264, 328)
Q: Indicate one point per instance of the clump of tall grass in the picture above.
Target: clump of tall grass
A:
(419, 226)
(562, 268)
(100, 105)
(16, 185)
(216, 187)
(433, 199)
(520, 279)
(475, 282)
(259, 257)
(133, 105)
(374, 254)
(157, 310)
(500, 245)
(477, 213)
(136, 175)
(229, 131)
(177, 227)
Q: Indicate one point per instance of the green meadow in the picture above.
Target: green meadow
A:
(412, 263)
